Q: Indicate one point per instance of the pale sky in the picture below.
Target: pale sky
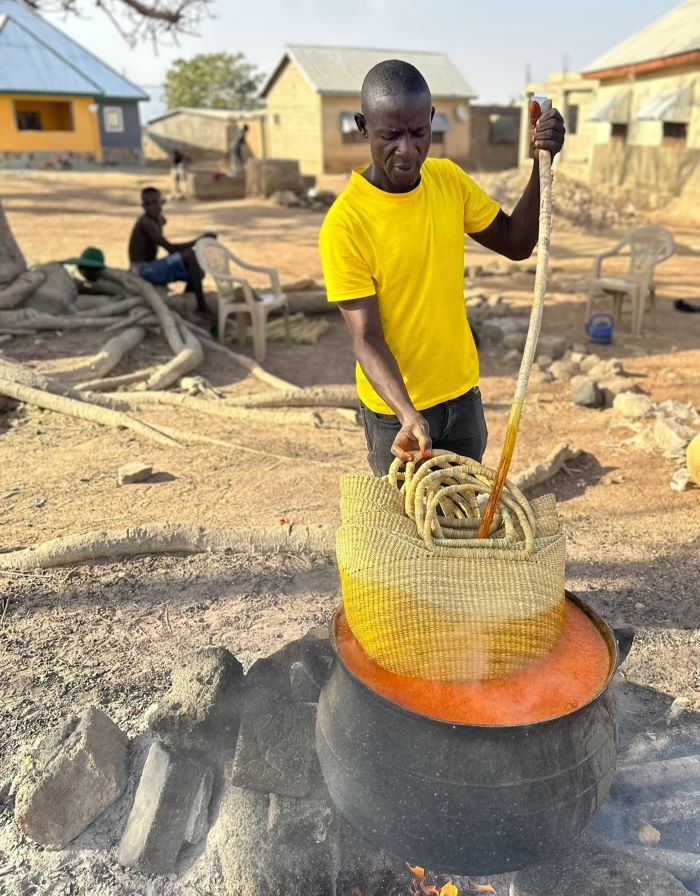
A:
(492, 43)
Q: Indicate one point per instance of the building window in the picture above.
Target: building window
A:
(43, 115)
(438, 137)
(348, 129)
(619, 132)
(113, 118)
(503, 128)
(572, 120)
(675, 131)
(276, 119)
(28, 121)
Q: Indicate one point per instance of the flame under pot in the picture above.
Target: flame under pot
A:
(465, 799)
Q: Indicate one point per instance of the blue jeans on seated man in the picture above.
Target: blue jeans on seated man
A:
(162, 271)
(457, 425)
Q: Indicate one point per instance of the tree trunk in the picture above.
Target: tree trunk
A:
(12, 262)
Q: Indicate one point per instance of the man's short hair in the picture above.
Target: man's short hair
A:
(393, 77)
(149, 193)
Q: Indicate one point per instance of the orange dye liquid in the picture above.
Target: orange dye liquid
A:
(569, 676)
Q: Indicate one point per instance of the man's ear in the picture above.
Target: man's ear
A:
(361, 123)
(432, 112)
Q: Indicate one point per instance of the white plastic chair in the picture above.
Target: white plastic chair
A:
(236, 296)
(648, 246)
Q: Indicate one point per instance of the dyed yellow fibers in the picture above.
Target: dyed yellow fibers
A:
(566, 678)
(516, 411)
(453, 645)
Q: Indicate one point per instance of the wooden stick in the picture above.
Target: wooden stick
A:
(681, 740)
(18, 373)
(662, 774)
(685, 807)
(683, 865)
(112, 383)
(183, 436)
(167, 538)
(315, 396)
(133, 284)
(186, 360)
(545, 228)
(21, 288)
(243, 360)
(83, 410)
(137, 400)
(107, 358)
(111, 308)
(29, 319)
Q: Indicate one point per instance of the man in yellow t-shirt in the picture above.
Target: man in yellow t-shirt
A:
(392, 249)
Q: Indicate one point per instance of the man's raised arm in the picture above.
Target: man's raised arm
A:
(515, 235)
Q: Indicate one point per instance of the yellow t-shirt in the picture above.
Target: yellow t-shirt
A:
(408, 250)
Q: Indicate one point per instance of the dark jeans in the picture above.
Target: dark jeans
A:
(456, 425)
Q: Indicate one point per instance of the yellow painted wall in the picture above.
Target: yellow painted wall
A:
(83, 138)
(294, 121)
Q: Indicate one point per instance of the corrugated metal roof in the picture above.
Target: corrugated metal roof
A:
(676, 32)
(341, 70)
(28, 65)
(222, 114)
(50, 43)
(672, 106)
(615, 109)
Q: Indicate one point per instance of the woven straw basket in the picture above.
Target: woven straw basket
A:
(423, 596)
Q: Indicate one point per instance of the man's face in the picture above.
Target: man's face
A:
(153, 205)
(399, 133)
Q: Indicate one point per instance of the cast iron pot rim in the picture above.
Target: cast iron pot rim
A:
(597, 620)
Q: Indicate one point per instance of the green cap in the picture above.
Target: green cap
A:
(90, 258)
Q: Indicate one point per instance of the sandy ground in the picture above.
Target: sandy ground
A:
(106, 633)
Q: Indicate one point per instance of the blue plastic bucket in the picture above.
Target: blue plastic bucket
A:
(599, 327)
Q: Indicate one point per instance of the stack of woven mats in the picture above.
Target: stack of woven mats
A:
(423, 596)
(302, 329)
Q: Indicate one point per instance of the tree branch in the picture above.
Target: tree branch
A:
(145, 17)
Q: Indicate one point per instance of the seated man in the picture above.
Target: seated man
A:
(179, 264)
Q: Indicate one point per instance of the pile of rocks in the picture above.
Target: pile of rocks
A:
(316, 200)
(222, 792)
(493, 321)
(666, 427)
(573, 200)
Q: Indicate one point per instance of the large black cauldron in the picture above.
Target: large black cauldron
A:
(465, 799)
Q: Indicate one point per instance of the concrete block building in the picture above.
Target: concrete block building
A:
(575, 97)
(646, 122)
(633, 115)
(313, 93)
(203, 135)
(60, 106)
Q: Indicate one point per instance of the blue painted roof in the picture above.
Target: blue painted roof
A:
(38, 58)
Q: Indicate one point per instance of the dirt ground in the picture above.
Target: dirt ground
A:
(107, 632)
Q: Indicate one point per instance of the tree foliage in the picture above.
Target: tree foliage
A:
(212, 81)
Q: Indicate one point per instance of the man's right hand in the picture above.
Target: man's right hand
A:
(413, 440)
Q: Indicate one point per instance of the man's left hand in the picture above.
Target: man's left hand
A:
(547, 132)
